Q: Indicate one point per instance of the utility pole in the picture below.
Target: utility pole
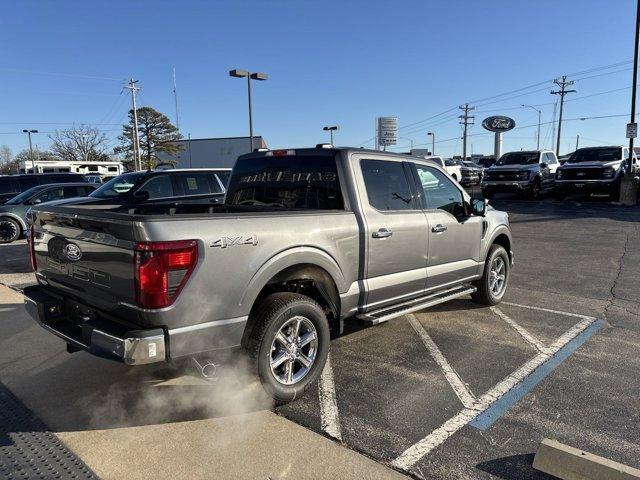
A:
(634, 84)
(553, 125)
(562, 83)
(539, 113)
(175, 99)
(136, 140)
(33, 165)
(466, 121)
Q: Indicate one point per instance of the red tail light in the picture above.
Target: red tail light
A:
(32, 250)
(162, 269)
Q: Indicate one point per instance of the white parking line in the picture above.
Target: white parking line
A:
(465, 395)
(559, 312)
(418, 450)
(329, 418)
(531, 340)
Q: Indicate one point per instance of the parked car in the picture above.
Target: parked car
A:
(306, 238)
(12, 185)
(13, 214)
(450, 166)
(162, 186)
(524, 172)
(594, 170)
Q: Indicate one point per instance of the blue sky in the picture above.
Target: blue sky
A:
(329, 62)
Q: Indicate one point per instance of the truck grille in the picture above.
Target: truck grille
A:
(502, 175)
(582, 174)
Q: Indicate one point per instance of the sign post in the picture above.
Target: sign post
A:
(498, 124)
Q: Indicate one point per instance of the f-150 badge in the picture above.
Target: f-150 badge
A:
(224, 242)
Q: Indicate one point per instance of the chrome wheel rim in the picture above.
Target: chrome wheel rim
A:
(293, 350)
(497, 276)
(8, 230)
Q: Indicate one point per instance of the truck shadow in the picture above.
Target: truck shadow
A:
(515, 466)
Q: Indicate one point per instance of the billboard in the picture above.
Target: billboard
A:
(387, 131)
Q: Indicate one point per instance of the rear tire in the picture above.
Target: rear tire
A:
(9, 230)
(288, 344)
(497, 268)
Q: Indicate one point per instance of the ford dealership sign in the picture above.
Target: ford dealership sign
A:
(498, 123)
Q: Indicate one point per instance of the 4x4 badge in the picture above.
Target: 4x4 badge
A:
(224, 242)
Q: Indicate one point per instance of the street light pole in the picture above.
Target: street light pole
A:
(539, 113)
(331, 129)
(250, 76)
(33, 164)
(433, 142)
(633, 84)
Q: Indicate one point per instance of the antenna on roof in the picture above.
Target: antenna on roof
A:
(175, 98)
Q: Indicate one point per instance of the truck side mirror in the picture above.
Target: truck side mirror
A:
(478, 206)
(543, 165)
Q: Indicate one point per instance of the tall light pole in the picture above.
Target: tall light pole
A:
(33, 164)
(539, 113)
(633, 85)
(250, 76)
(331, 129)
(433, 142)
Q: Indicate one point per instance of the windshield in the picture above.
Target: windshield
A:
(518, 158)
(23, 196)
(293, 182)
(118, 186)
(596, 155)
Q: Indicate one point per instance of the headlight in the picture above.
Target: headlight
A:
(608, 172)
(559, 173)
(525, 175)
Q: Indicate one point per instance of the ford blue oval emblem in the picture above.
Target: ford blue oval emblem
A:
(72, 252)
(498, 123)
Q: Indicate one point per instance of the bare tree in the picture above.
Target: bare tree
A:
(81, 143)
(7, 163)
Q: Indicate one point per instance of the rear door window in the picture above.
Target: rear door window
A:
(387, 185)
(197, 184)
(76, 191)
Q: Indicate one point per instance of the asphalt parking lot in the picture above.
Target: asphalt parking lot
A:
(457, 391)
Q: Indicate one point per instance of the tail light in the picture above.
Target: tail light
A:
(32, 249)
(162, 269)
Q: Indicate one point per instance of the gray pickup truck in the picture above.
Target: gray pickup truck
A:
(306, 239)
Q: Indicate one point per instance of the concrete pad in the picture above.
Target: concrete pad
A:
(571, 463)
(258, 445)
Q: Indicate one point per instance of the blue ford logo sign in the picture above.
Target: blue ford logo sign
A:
(72, 252)
(498, 123)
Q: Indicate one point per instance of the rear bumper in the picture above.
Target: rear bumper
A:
(84, 328)
(96, 334)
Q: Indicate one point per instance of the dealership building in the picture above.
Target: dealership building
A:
(211, 152)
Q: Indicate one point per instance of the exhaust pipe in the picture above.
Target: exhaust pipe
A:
(208, 369)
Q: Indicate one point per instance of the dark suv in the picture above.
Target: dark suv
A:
(593, 170)
(159, 187)
(12, 185)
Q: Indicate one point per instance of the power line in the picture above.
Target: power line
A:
(60, 74)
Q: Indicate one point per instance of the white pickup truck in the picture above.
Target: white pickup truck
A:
(450, 167)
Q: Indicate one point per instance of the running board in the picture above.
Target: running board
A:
(387, 313)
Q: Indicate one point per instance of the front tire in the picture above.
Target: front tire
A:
(534, 191)
(9, 230)
(288, 344)
(495, 279)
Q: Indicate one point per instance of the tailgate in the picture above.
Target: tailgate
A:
(84, 255)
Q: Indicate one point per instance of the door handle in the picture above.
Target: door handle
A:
(439, 228)
(382, 233)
